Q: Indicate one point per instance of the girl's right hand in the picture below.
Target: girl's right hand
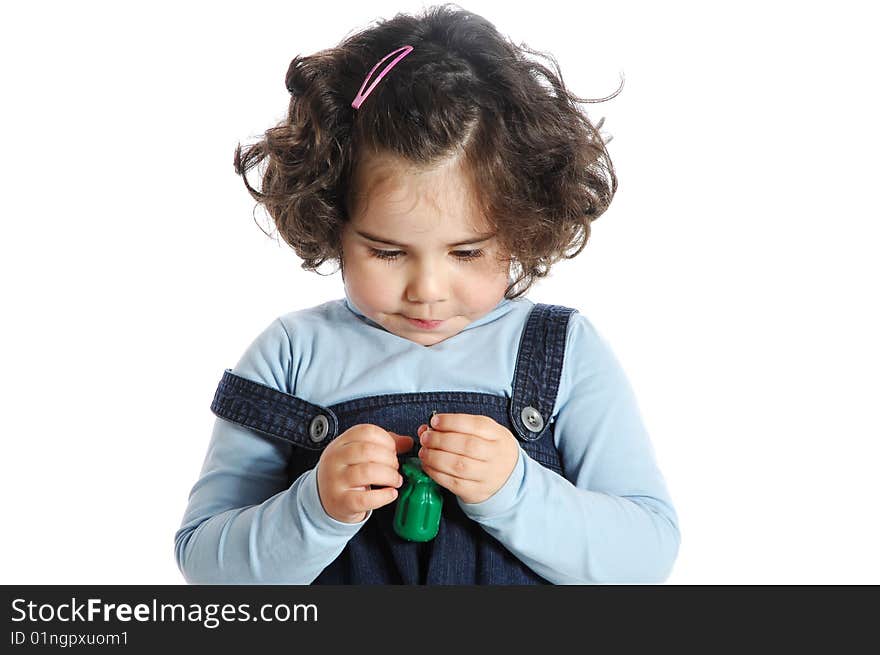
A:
(361, 456)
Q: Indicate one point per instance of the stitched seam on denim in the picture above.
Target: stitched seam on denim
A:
(520, 358)
(520, 374)
(245, 420)
(267, 410)
(559, 333)
(297, 439)
(549, 368)
(389, 400)
(248, 422)
(302, 408)
(547, 461)
(535, 369)
(265, 404)
(255, 417)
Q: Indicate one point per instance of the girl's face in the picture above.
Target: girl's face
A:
(416, 248)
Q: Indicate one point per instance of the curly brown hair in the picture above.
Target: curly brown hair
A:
(465, 90)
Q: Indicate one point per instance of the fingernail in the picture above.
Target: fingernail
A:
(425, 436)
(435, 420)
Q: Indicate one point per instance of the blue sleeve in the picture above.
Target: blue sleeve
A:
(243, 523)
(610, 520)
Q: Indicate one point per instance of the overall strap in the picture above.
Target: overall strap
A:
(538, 369)
(273, 412)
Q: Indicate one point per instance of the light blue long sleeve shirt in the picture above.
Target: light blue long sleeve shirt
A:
(609, 520)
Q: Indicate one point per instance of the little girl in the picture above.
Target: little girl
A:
(445, 172)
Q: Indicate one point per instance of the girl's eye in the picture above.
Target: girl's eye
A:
(468, 254)
(385, 254)
(463, 255)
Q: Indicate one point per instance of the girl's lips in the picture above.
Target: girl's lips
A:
(424, 325)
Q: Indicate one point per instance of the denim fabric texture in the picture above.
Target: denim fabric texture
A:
(462, 552)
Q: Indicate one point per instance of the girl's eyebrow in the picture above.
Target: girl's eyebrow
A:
(389, 242)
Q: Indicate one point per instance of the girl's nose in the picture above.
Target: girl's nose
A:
(427, 285)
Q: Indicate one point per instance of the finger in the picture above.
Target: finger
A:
(456, 466)
(402, 442)
(362, 501)
(454, 484)
(358, 452)
(374, 434)
(482, 426)
(370, 473)
(469, 445)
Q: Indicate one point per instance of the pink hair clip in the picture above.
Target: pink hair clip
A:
(361, 96)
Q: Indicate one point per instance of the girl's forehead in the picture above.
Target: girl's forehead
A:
(420, 225)
(397, 194)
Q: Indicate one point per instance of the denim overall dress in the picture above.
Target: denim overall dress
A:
(462, 552)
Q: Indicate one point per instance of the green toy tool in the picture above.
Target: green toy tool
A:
(417, 516)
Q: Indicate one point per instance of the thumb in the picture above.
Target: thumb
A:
(402, 442)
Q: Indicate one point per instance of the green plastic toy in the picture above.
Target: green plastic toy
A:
(417, 515)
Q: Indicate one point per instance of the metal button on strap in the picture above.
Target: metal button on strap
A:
(318, 428)
(532, 419)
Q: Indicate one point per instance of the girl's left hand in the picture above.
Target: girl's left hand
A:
(469, 454)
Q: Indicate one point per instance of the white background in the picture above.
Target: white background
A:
(734, 275)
